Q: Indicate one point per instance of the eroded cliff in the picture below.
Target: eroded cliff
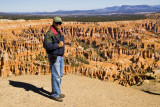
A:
(116, 51)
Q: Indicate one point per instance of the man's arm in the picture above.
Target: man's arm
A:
(48, 45)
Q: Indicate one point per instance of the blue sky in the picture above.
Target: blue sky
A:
(54, 5)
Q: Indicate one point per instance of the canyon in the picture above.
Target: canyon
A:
(121, 51)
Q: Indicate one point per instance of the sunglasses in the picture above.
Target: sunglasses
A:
(58, 23)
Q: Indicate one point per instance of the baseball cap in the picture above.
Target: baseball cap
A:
(57, 19)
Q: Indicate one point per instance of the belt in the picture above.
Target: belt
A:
(60, 55)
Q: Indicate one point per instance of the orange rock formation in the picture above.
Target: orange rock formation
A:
(121, 51)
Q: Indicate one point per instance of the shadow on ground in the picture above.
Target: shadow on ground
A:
(30, 87)
(149, 92)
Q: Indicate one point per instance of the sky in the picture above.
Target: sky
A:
(55, 5)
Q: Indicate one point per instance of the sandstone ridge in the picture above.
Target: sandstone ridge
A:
(122, 51)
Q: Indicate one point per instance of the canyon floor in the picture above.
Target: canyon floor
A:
(80, 91)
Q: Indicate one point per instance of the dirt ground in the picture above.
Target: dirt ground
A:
(80, 91)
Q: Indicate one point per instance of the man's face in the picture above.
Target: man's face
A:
(57, 25)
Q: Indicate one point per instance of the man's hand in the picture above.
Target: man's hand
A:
(60, 44)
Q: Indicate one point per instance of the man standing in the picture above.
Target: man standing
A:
(54, 45)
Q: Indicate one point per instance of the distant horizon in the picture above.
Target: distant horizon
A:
(12, 6)
(79, 10)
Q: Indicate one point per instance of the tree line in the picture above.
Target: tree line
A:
(99, 18)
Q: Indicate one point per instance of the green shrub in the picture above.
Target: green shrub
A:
(82, 60)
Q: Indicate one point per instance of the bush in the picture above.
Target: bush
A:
(41, 57)
(82, 60)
